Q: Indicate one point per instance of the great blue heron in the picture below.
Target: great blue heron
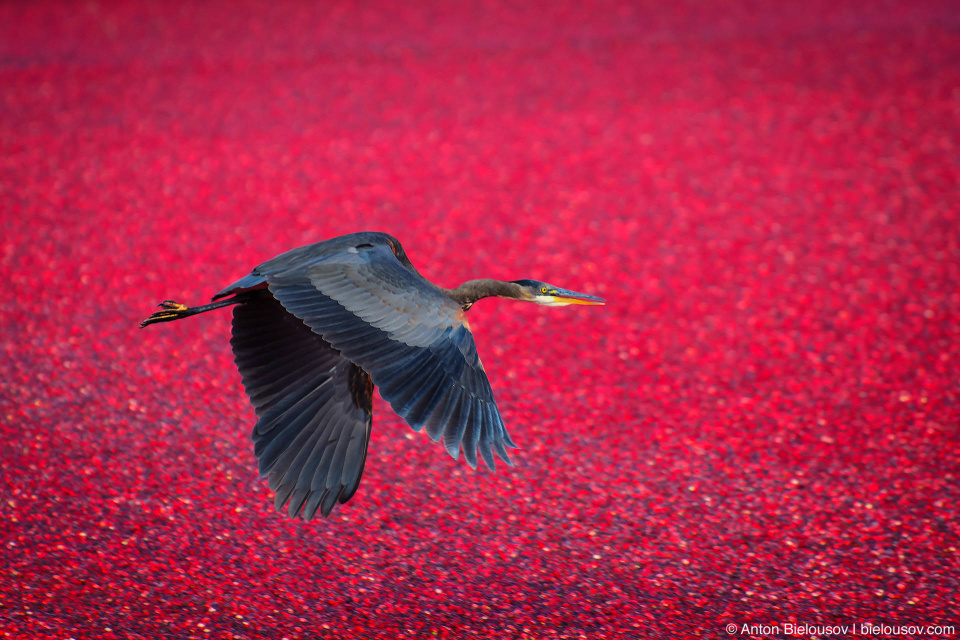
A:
(316, 328)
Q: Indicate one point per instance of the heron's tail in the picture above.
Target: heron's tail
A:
(171, 310)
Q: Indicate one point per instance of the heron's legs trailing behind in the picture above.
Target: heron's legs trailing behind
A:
(175, 310)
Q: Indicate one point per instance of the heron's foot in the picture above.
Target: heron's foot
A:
(170, 305)
(171, 311)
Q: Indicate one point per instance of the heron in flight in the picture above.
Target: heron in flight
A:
(317, 327)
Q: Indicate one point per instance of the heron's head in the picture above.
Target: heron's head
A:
(543, 293)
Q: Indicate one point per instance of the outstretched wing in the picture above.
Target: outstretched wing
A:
(314, 408)
(412, 339)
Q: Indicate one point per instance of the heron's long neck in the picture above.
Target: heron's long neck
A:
(472, 290)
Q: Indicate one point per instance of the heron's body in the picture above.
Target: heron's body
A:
(316, 328)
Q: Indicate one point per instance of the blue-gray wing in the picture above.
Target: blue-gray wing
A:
(314, 408)
(412, 339)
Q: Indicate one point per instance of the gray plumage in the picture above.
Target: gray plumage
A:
(317, 327)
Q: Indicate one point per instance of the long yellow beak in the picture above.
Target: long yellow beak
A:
(565, 296)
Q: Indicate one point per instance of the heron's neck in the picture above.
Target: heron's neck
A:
(473, 290)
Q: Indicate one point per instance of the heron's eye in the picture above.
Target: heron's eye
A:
(543, 289)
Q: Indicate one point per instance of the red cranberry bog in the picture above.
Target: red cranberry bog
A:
(758, 430)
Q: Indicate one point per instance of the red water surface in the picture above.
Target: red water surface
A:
(761, 426)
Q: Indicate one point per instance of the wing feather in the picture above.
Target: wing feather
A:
(406, 333)
(314, 408)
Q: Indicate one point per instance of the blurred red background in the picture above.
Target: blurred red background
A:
(760, 427)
